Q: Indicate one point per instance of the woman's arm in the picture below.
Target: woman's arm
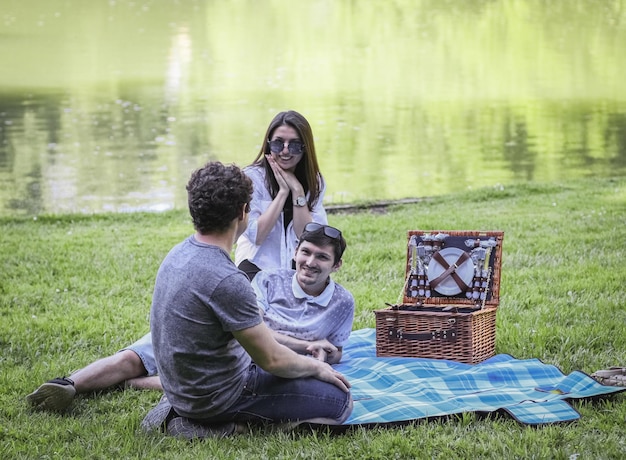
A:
(267, 220)
(302, 215)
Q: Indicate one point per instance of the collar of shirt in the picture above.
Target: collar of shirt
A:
(322, 300)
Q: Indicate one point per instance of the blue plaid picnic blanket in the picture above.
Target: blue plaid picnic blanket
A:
(399, 389)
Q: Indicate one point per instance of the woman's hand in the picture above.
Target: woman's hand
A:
(278, 173)
(287, 182)
(285, 179)
(270, 216)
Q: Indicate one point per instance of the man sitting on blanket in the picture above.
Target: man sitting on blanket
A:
(306, 310)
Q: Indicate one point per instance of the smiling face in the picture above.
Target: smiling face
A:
(286, 160)
(314, 264)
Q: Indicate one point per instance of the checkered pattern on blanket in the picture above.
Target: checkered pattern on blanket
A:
(400, 389)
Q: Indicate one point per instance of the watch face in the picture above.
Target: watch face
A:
(300, 201)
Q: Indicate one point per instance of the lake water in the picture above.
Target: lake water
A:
(108, 105)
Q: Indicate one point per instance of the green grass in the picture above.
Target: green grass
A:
(75, 288)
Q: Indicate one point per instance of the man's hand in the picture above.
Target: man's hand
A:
(330, 375)
(321, 350)
(280, 360)
(325, 351)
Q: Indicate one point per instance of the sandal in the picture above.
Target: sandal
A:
(613, 376)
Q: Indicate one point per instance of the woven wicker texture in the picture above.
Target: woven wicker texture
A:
(468, 338)
(444, 327)
(456, 239)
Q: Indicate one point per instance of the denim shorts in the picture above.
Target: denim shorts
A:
(268, 398)
(143, 349)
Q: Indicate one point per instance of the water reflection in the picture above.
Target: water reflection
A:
(110, 105)
(121, 156)
(518, 150)
(178, 62)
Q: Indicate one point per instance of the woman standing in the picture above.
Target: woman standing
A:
(288, 194)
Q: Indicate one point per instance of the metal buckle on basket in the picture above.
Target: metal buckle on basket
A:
(447, 334)
(398, 334)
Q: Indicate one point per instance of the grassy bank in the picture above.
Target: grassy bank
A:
(76, 288)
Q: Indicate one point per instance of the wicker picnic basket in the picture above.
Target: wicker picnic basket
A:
(447, 307)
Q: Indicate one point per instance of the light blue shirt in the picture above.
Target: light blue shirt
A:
(287, 309)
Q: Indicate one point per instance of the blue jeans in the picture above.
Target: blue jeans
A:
(267, 398)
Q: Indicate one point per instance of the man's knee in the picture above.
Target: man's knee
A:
(130, 361)
(346, 413)
(334, 420)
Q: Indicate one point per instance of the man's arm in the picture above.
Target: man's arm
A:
(320, 349)
(281, 361)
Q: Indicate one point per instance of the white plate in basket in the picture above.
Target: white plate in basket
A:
(465, 271)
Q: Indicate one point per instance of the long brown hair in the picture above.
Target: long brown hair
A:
(307, 170)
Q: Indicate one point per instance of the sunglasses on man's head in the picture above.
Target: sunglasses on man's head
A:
(294, 147)
(330, 232)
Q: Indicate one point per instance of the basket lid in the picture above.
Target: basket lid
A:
(453, 268)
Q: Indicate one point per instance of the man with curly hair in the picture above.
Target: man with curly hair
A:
(219, 364)
(305, 309)
(198, 305)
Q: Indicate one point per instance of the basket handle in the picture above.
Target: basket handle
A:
(444, 335)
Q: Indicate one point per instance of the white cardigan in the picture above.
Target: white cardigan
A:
(279, 247)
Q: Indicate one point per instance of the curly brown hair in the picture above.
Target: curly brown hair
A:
(215, 194)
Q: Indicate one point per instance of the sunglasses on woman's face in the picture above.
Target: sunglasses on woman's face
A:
(294, 147)
(330, 232)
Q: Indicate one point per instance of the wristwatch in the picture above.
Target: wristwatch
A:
(300, 201)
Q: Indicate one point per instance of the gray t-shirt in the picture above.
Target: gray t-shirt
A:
(200, 297)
